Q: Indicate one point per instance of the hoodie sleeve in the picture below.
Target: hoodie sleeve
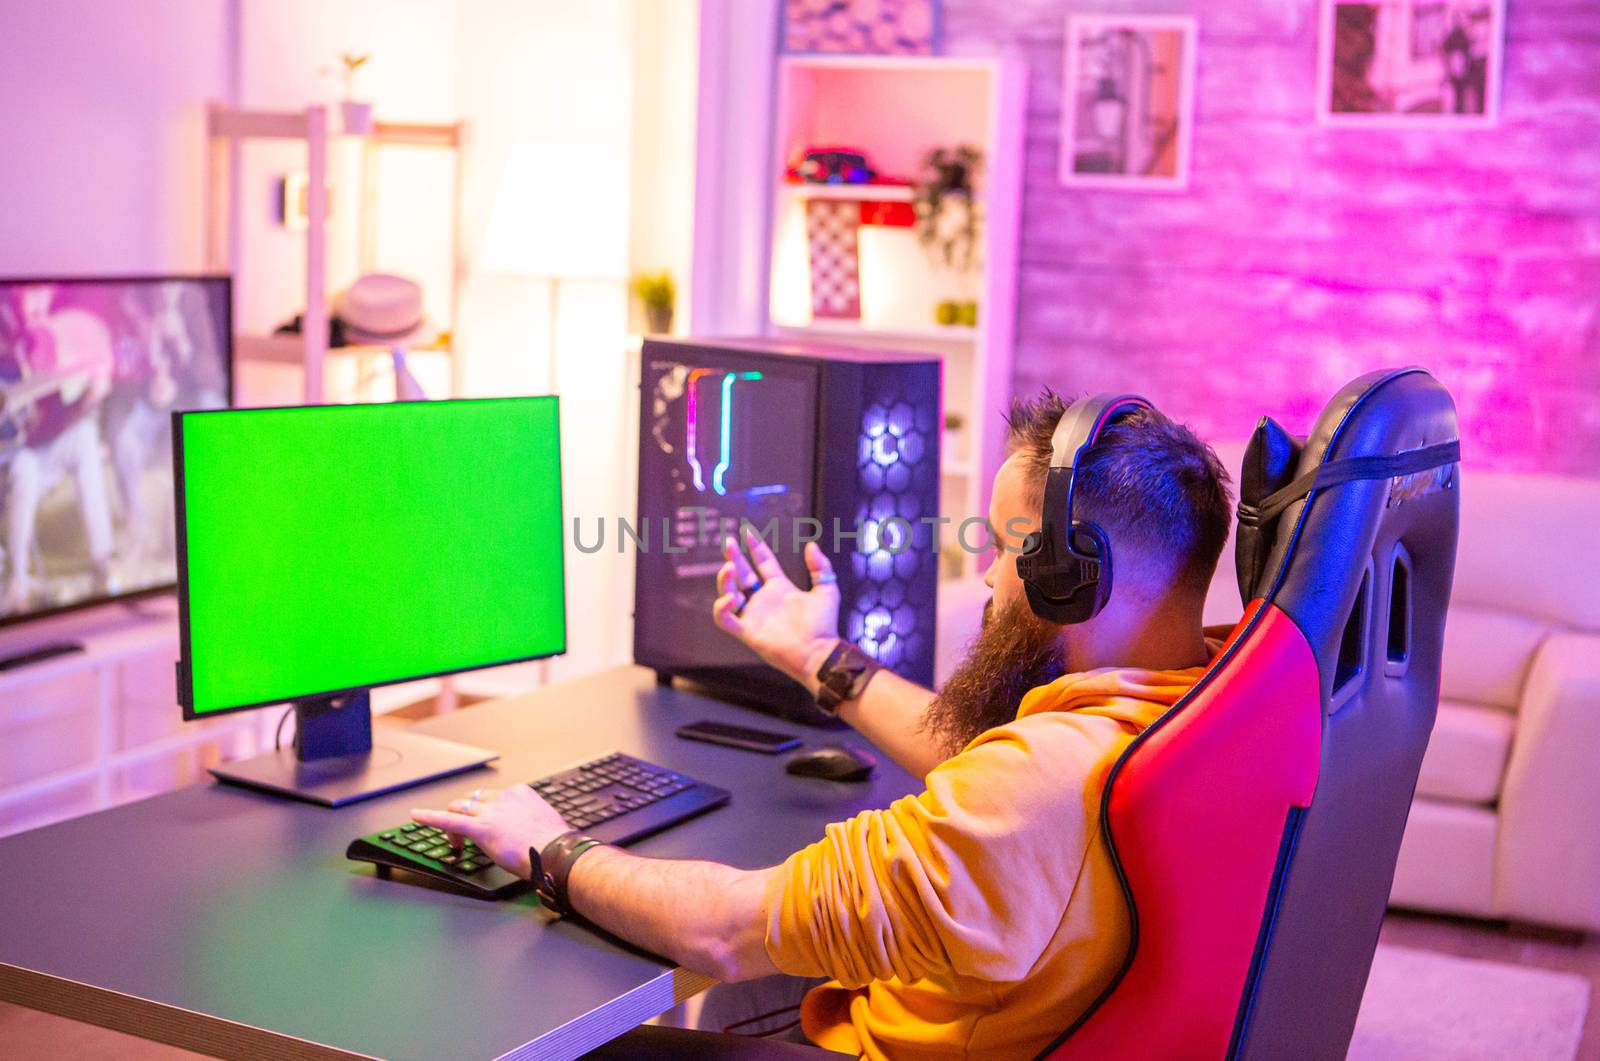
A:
(971, 876)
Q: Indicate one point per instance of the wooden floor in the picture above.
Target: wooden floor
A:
(41, 1037)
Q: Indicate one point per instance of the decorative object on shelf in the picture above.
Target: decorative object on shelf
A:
(382, 309)
(950, 312)
(1128, 101)
(658, 294)
(1410, 62)
(862, 27)
(888, 213)
(294, 211)
(355, 114)
(946, 206)
(832, 165)
(832, 238)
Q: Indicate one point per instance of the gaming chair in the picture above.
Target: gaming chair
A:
(1255, 825)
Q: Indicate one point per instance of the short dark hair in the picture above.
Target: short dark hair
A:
(1149, 482)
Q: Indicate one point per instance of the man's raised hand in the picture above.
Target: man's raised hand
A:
(790, 628)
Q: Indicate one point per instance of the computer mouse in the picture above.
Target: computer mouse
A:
(832, 762)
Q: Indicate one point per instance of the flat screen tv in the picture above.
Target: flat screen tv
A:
(90, 372)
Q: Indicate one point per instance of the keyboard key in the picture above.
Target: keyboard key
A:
(410, 827)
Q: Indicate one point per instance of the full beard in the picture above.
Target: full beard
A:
(1013, 652)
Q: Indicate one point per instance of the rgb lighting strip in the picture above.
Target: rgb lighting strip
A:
(725, 434)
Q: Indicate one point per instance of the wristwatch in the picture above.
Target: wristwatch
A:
(553, 866)
(843, 676)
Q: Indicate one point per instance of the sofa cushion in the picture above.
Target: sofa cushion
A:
(1447, 859)
(1523, 539)
(1466, 756)
(1486, 655)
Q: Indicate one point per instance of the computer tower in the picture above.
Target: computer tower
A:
(799, 439)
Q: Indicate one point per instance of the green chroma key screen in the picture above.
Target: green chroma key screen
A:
(323, 549)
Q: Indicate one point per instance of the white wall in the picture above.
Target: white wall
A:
(102, 111)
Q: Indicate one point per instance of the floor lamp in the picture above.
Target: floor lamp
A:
(560, 215)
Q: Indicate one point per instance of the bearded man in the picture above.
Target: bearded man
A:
(982, 915)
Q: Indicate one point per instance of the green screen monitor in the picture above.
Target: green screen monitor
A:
(325, 550)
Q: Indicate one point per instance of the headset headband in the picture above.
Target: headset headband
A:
(1080, 425)
(1065, 582)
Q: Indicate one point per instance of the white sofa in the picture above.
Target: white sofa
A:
(1506, 821)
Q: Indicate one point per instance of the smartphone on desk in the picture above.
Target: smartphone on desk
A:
(764, 741)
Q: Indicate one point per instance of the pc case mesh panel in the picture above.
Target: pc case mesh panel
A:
(891, 614)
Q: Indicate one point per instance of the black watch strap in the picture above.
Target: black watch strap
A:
(552, 867)
(844, 676)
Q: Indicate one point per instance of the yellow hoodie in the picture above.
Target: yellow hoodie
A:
(983, 915)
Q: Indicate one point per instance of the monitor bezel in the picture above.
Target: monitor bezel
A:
(226, 279)
(185, 675)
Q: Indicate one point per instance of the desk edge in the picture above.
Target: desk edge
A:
(615, 1018)
(156, 1021)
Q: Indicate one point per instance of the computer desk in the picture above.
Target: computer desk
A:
(229, 922)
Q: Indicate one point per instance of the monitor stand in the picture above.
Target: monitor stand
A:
(336, 760)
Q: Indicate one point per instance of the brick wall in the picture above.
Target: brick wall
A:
(1302, 256)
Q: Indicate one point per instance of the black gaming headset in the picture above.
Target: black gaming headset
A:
(1066, 564)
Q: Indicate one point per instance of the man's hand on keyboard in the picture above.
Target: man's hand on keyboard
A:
(505, 822)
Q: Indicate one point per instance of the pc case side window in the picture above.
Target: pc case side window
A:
(724, 438)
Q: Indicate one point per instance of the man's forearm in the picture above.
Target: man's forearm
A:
(890, 714)
(705, 916)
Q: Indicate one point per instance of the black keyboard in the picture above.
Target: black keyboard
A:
(618, 799)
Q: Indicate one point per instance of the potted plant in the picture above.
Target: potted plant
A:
(947, 221)
(657, 293)
(357, 114)
(945, 203)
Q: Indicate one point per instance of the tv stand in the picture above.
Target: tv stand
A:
(39, 654)
(336, 760)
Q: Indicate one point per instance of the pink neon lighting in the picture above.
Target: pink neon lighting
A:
(694, 426)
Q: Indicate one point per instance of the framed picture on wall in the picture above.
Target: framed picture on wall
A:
(1410, 62)
(1127, 108)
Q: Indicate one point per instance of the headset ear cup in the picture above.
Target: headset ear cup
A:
(1099, 549)
(1027, 556)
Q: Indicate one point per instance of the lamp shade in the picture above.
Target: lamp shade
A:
(561, 211)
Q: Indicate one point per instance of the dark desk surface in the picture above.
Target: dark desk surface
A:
(230, 922)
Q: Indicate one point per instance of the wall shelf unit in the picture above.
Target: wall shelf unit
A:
(897, 109)
(227, 131)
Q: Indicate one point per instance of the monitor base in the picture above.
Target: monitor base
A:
(399, 759)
